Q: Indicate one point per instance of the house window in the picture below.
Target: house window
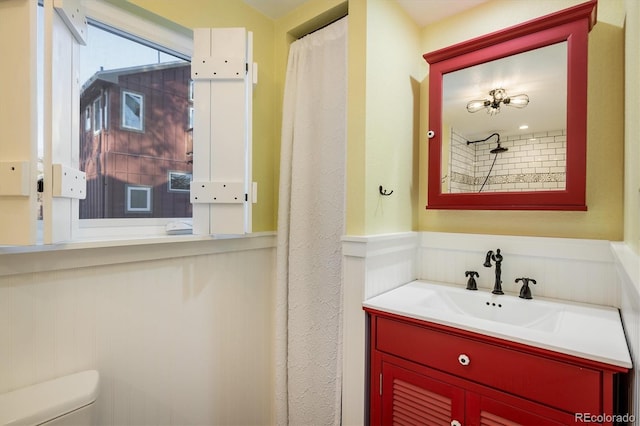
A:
(138, 198)
(97, 116)
(87, 119)
(190, 97)
(132, 110)
(179, 181)
(105, 112)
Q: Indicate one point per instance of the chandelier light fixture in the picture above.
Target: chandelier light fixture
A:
(497, 98)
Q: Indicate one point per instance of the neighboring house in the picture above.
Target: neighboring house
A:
(135, 141)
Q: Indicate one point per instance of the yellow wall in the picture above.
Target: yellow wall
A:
(394, 70)
(356, 119)
(604, 218)
(236, 13)
(18, 126)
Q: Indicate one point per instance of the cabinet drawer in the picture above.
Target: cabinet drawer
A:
(558, 384)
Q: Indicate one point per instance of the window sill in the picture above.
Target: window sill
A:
(81, 254)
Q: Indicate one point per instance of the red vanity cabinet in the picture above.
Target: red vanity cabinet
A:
(430, 374)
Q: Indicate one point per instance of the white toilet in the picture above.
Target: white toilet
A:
(64, 401)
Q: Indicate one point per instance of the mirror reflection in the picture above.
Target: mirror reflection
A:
(504, 124)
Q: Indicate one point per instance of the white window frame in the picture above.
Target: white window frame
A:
(97, 115)
(123, 108)
(181, 44)
(148, 190)
(191, 90)
(190, 118)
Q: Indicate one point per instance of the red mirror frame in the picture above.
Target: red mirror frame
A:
(571, 25)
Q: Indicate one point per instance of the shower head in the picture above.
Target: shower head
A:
(499, 149)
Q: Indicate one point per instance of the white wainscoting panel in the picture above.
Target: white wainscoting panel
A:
(628, 269)
(353, 341)
(390, 259)
(178, 341)
(579, 270)
(371, 266)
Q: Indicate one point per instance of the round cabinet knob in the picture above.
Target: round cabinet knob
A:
(463, 359)
(455, 423)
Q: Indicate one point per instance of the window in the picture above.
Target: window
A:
(149, 89)
(190, 117)
(87, 119)
(132, 111)
(179, 181)
(138, 198)
(97, 116)
(130, 191)
(105, 111)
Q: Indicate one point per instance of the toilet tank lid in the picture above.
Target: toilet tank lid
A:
(42, 402)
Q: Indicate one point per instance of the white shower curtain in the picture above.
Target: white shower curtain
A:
(311, 215)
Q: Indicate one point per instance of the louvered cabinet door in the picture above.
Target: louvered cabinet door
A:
(409, 398)
(482, 410)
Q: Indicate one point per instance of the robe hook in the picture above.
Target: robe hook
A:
(384, 191)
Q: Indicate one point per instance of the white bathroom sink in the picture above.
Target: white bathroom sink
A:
(506, 309)
(588, 331)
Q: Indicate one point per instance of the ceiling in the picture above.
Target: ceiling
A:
(540, 73)
(423, 12)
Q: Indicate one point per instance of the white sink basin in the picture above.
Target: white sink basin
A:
(588, 331)
(506, 309)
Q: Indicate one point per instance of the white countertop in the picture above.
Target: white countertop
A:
(586, 331)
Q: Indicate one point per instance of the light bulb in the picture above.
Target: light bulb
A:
(477, 105)
(518, 101)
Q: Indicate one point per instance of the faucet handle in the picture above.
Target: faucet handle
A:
(471, 283)
(525, 291)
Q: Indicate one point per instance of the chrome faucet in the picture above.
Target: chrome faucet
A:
(497, 258)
